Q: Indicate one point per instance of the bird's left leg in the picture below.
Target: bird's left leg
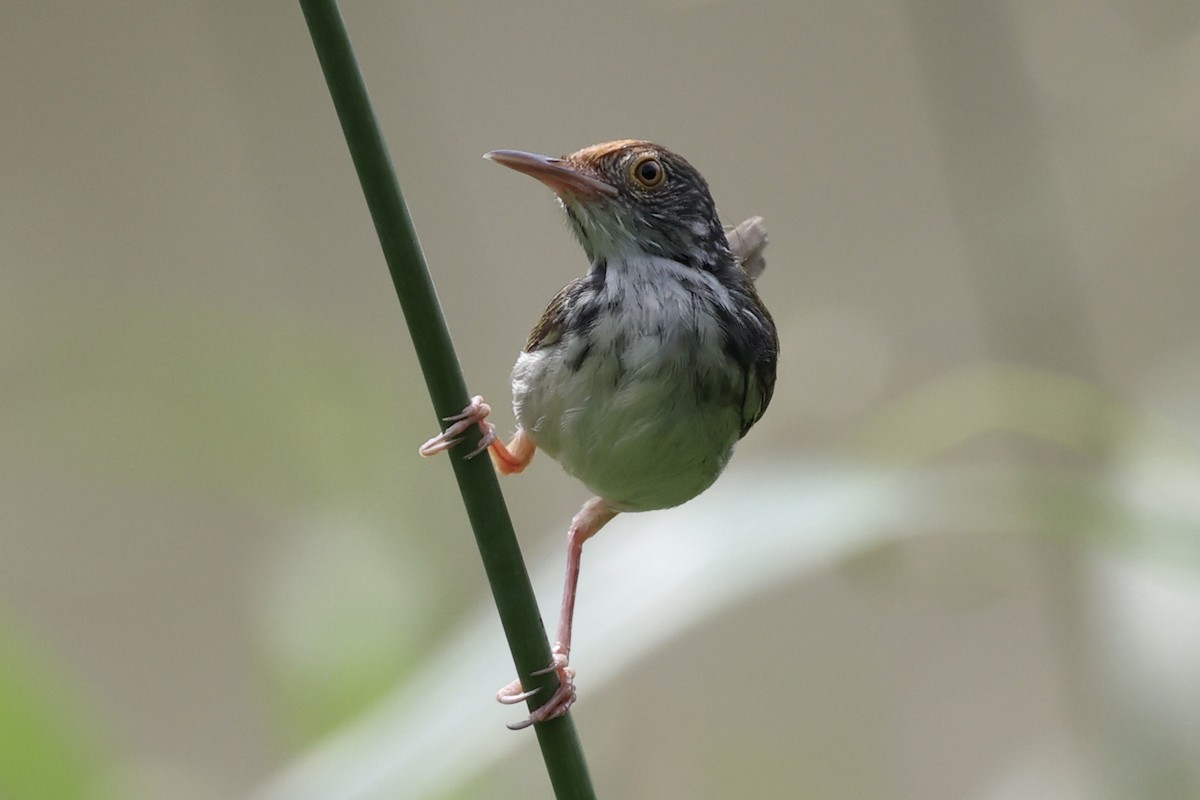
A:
(590, 519)
(510, 458)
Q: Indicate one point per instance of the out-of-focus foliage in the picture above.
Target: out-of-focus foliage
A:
(49, 747)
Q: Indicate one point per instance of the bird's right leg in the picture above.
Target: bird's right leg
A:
(510, 458)
(594, 515)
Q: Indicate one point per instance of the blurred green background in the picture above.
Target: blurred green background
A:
(959, 558)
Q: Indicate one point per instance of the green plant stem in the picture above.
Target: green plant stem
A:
(477, 481)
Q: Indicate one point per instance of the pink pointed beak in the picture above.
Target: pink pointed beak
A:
(560, 175)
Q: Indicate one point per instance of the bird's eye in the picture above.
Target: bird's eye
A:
(648, 172)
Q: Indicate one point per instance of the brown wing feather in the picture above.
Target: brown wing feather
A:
(549, 327)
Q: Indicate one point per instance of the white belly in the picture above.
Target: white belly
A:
(645, 443)
(646, 420)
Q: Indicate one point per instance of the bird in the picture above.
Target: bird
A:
(642, 374)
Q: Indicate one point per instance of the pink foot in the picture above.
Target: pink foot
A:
(475, 413)
(559, 702)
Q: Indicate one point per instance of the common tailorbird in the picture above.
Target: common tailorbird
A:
(641, 375)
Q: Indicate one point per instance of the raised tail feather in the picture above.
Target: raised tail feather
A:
(748, 240)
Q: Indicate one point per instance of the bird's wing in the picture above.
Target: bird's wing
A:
(759, 356)
(549, 327)
(760, 385)
(748, 240)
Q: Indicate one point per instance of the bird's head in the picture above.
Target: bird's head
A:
(630, 199)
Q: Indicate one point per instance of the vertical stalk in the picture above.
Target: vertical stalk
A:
(477, 481)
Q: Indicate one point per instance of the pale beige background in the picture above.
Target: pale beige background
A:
(207, 447)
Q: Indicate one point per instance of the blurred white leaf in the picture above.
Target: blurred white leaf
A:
(650, 577)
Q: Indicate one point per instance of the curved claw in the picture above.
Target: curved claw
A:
(557, 662)
(556, 705)
(485, 440)
(475, 413)
(512, 694)
(475, 410)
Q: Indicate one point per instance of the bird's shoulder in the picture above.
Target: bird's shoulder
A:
(549, 328)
